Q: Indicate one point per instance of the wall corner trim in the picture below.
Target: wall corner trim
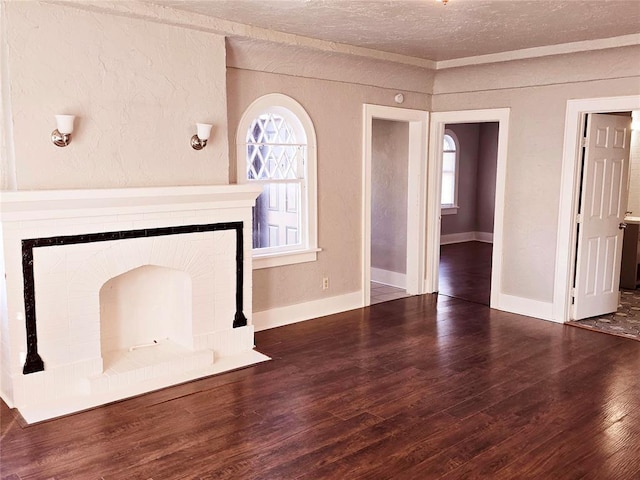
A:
(280, 316)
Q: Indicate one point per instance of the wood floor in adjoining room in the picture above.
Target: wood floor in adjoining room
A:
(426, 387)
(465, 271)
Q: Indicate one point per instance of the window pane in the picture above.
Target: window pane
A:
(275, 162)
(448, 186)
(270, 128)
(448, 145)
(449, 162)
(275, 223)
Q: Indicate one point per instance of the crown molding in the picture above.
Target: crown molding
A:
(147, 10)
(545, 51)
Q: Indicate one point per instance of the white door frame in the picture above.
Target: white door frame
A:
(438, 122)
(569, 191)
(418, 121)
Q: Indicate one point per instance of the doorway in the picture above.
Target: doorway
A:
(468, 209)
(389, 178)
(434, 215)
(416, 147)
(566, 249)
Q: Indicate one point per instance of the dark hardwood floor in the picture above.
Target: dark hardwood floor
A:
(465, 271)
(418, 388)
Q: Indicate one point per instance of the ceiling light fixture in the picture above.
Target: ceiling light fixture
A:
(444, 2)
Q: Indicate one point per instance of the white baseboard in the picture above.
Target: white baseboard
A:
(280, 316)
(387, 277)
(526, 307)
(450, 238)
(486, 237)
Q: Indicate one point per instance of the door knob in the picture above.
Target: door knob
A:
(622, 226)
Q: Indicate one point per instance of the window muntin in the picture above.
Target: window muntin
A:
(449, 193)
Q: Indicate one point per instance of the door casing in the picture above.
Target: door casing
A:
(438, 122)
(418, 121)
(569, 191)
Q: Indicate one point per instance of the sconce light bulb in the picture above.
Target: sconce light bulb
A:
(204, 130)
(65, 123)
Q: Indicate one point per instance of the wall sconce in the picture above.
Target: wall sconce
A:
(61, 136)
(199, 141)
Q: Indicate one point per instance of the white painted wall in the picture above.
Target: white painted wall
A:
(137, 87)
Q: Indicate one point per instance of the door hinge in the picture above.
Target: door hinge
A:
(584, 141)
(579, 218)
(573, 296)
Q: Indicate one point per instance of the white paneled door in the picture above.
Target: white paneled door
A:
(601, 219)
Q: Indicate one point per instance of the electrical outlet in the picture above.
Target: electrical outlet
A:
(325, 283)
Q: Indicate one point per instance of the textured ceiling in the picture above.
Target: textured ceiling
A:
(428, 29)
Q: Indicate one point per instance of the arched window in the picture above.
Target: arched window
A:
(449, 195)
(277, 149)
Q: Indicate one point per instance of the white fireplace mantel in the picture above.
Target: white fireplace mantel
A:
(53, 204)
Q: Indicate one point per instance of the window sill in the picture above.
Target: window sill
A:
(285, 258)
(452, 210)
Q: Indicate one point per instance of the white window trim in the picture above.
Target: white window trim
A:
(276, 102)
(452, 209)
(449, 209)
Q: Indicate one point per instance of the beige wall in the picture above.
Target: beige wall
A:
(137, 87)
(336, 111)
(478, 145)
(389, 177)
(487, 166)
(536, 129)
(465, 218)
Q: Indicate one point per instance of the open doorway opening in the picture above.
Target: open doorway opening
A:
(409, 128)
(469, 163)
(499, 118)
(389, 177)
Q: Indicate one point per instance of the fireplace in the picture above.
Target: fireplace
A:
(112, 293)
